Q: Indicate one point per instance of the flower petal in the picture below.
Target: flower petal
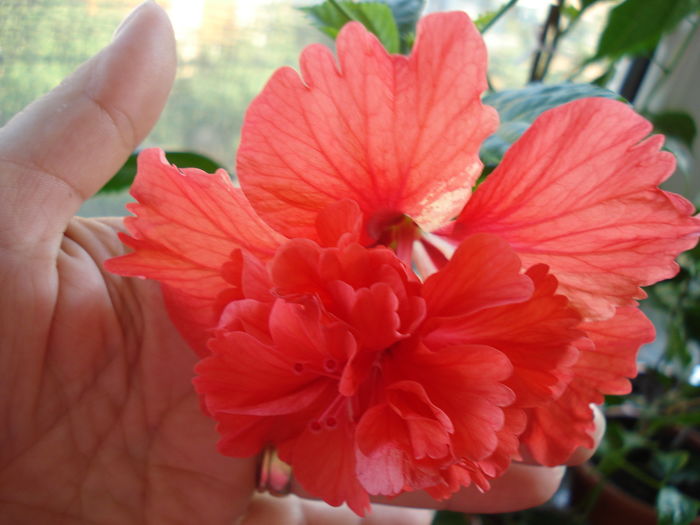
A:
(393, 133)
(537, 335)
(515, 422)
(374, 316)
(403, 443)
(247, 315)
(187, 224)
(484, 272)
(245, 435)
(247, 377)
(302, 338)
(578, 193)
(466, 383)
(614, 360)
(557, 429)
(253, 394)
(385, 472)
(426, 428)
(324, 464)
(339, 224)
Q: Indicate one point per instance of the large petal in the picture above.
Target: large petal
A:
(578, 192)
(484, 272)
(537, 335)
(254, 394)
(395, 134)
(339, 224)
(187, 225)
(556, 430)
(244, 376)
(324, 464)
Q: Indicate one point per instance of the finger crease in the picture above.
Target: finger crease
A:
(34, 168)
(125, 131)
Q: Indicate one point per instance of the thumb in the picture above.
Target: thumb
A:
(63, 147)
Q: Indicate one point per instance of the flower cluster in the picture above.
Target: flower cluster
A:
(359, 309)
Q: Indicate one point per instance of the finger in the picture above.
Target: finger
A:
(64, 146)
(520, 487)
(320, 513)
(291, 510)
(393, 515)
(524, 485)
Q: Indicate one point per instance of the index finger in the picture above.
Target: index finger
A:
(520, 487)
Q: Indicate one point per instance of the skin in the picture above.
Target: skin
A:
(100, 422)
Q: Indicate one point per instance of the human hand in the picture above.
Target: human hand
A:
(101, 422)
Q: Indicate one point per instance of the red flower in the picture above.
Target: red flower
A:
(320, 338)
(401, 382)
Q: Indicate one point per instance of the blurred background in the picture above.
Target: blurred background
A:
(229, 48)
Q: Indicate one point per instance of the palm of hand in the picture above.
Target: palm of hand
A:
(98, 397)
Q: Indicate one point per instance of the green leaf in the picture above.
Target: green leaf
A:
(587, 3)
(635, 26)
(332, 15)
(671, 462)
(527, 103)
(495, 146)
(185, 159)
(446, 517)
(518, 108)
(571, 12)
(604, 78)
(484, 21)
(691, 418)
(675, 508)
(676, 346)
(329, 16)
(123, 178)
(690, 475)
(631, 439)
(676, 124)
(406, 13)
(616, 443)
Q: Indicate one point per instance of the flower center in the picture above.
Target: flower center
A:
(397, 232)
(422, 251)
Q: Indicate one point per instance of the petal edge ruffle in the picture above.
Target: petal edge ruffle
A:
(579, 193)
(395, 134)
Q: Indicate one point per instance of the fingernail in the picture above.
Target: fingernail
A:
(129, 18)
